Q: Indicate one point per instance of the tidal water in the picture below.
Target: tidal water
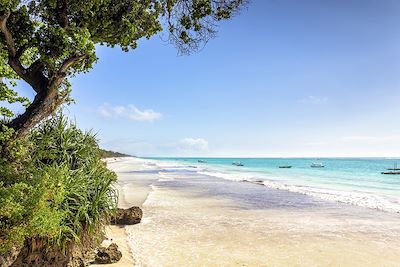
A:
(356, 181)
(209, 214)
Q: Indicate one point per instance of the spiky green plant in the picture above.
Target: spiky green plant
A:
(60, 190)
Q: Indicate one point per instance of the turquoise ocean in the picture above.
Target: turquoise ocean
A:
(355, 181)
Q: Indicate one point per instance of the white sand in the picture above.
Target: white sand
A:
(135, 177)
(117, 234)
(183, 226)
(133, 190)
(183, 229)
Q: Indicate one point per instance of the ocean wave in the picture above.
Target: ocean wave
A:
(170, 166)
(353, 197)
(363, 199)
(227, 176)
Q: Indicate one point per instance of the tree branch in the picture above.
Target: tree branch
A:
(62, 72)
(33, 77)
(21, 50)
(12, 60)
(7, 34)
(62, 13)
(69, 62)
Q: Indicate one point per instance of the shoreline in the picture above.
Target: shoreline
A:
(118, 233)
(332, 195)
(195, 219)
(293, 181)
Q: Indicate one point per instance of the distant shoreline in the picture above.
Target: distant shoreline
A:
(111, 154)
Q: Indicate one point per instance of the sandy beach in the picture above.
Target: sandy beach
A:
(197, 220)
(133, 191)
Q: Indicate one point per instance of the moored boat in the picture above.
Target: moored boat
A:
(395, 168)
(317, 165)
(392, 171)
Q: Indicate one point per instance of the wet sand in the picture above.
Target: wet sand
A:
(197, 220)
(117, 234)
(133, 189)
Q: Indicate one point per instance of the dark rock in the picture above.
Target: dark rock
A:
(38, 252)
(129, 216)
(108, 255)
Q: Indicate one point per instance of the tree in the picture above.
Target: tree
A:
(44, 42)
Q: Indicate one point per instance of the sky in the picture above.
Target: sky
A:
(286, 78)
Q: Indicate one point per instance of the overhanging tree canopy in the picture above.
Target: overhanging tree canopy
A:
(43, 42)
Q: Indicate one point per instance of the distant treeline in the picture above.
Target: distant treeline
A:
(112, 154)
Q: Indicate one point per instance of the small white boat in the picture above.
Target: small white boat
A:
(317, 165)
(395, 168)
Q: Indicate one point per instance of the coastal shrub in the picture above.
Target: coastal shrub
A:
(53, 186)
(111, 154)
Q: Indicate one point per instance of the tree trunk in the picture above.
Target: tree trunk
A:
(47, 99)
(44, 104)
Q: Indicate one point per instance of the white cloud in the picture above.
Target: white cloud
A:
(194, 144)
(314, 99)
(130, 112)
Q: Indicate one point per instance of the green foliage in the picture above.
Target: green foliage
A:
(45, 42)
(55, 186)
(7, 81)
(111, 154)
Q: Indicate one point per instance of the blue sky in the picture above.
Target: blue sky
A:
(285, 78)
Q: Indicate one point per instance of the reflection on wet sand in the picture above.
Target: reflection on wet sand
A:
(195, 220)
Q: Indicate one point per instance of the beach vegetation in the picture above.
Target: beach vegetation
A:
(54, 187)
(112, 154)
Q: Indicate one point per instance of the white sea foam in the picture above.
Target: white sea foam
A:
(227, 176)
(363, 199)
(170, 166)
(180, 230)
(359, 198)
(165, 177)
